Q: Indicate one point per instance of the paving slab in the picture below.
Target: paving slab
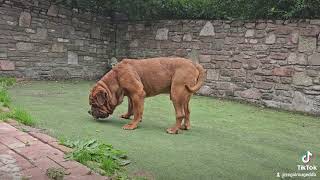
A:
(30, 154)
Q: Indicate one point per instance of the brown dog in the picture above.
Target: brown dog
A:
(138, 79)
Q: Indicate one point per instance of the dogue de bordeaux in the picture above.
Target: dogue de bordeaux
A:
(138, 79)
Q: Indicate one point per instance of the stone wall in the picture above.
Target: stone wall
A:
(275, 63)
(40, 40)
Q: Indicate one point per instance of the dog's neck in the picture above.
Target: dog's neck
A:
(111, 84)
(110, 81)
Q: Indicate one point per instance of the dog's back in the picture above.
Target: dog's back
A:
(156, 74)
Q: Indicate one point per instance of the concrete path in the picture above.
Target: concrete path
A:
(28, 155)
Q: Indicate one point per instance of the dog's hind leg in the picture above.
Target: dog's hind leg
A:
(178, 97)
(130, 110)
(179, 117)
(186, 125)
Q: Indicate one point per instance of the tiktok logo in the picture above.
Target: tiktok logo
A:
(307, 157)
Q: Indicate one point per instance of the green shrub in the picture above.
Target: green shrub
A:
(21, 116)
(4, 97)
(6, 81)
(202, 9)
(102, 158)
(4, 84)
(18, 114)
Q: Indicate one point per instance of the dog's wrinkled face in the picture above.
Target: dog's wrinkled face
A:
(98, 100)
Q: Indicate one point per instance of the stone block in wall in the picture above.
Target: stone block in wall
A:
(162, 34)
(251, 64)
(63, 40)
(310, 31)
(29, 30)
(6, 65)
(41, 34)
(95, 33)
(295, 58)
(53, 10)
(193, 55)
(60, 74)
(263, 85)
(140, 27)
(251, 93)
(207, 30)
(283, 71)
(3, 55)
(250, 25)
(313, 73)
(217, 44)
(270, 39)
(311, 92)
(23, 46)
(134, 43)
(88, 58)
(205, 90)
(307, 44)
(282, 30)
(236, 65)
(213, 74)
(204, 58)
(187, 37)
(278, 56)
(79, 42)
(249, 33)
(176, 38)
(294, 37)
(316, 87)
(301, 102)
(262, 25)
(57, 47)
(314, 59)
(234, 40)
(227, 72)
(301, 79)
(24, 19)
(72, 58)
(21, 38)
(285, 87)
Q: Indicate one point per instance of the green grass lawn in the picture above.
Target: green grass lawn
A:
(228, 140)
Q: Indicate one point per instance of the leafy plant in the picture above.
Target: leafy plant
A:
(4, 96)
(18, 114)
(100, 157)
(201, 9)
(4, 84)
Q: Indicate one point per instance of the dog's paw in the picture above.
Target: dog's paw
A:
(173, 130)
(184, 127)
(125, 116)
(129, 127)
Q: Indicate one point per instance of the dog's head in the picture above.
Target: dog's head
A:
(103, 101)
(98, 99)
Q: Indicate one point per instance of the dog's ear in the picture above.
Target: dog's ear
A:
(101, 97)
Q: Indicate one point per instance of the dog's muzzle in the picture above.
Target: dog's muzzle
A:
(97, 114)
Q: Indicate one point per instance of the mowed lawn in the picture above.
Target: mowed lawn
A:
(228, 140)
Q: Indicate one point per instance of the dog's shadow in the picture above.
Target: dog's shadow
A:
(120, 122)
(113, 121)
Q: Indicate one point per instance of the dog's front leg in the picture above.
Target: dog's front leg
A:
(138, 103)
(130, 110)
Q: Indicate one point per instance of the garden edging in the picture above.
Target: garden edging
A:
(32, 153)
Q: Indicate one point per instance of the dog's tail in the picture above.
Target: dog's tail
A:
(201, 77)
